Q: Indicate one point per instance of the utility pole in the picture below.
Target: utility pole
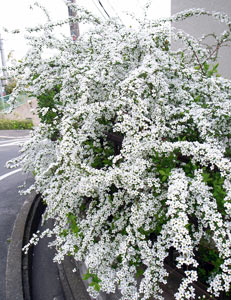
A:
(1, 91)
(74, 27)
(3, 60)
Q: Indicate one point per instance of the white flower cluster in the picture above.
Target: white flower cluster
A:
(122, 206)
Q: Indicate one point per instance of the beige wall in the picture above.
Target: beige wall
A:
(25, 111)
(198, 26)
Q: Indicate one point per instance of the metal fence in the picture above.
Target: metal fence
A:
(5, 106)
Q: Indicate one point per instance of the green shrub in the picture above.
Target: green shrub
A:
(123, 209)
(15, 124)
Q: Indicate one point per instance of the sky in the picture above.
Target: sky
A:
(16, 14)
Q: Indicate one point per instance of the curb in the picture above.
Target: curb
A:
(74, 288)
(18, 265)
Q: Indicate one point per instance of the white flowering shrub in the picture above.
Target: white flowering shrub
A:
(132, 156)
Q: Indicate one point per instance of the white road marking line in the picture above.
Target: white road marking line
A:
(11, 144)
(9, 174)
(13, 137)
(13, 141)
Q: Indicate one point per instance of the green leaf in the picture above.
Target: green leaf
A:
(107, 162)
(162, 172)
(143, 75)
(95, 279)
(97, 287)
(206, 66)
(197, 99)
(210, 73)
(86, 276)
(119, 259)
(64, 233)
(83, 207)
(139, 272)
(164, 178)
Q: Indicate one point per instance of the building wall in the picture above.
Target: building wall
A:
(197, 26)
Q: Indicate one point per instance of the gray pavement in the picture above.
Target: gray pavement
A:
(10, 200)
(14, 208)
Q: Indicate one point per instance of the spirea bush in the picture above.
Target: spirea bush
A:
(165, 186)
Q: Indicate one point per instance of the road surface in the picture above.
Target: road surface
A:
(10, 200)
(45, 281)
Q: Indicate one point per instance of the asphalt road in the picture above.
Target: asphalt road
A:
(45, 282)
(10, 200)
